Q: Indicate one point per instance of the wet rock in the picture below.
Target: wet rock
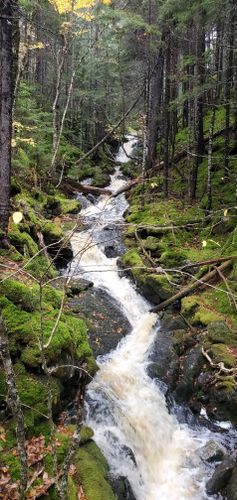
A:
(171, 322)
(64, 255)
(211, 452)
(221, 477)
(78, 286)
(106, 323)
(164, 362)
(115, 246)
(191, 367)
(121, 488)
(111, 251)
(92, 199)
(223, 401)
(231, 490)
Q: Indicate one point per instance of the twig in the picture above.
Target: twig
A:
(231, 295)
(220, 365)
(190, 288)
(145, 253)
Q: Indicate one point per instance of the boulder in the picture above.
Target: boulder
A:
(121, 488)
(191, 367)
(106, 323)
(221, 477)
(78, 286)
(211, 452)
(231, 490)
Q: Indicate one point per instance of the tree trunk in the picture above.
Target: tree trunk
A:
(209, 161)
(167, 116)
(6, 98)
(15, 406)
(154, 118)
(228, 85)
(198, 106)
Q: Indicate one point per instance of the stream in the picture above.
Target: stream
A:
(138, 435)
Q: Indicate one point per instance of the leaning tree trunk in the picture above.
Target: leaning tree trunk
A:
(6, 98)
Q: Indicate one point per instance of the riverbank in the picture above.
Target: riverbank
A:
(44, 345)
(157, 235)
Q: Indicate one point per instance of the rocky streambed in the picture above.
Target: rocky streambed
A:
(159, 365)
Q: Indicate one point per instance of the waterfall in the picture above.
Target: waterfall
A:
(139, 437)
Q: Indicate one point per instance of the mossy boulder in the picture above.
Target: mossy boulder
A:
(222, 353)
(152, 244)
(198, 312)
(60, 205)
(22, 241)
(189, 305)
(219, 332)
(33, 393)
(172, 258)
(92, 473)
(160, 287)
(86, 434)
(20, 294)
(154, 287)
(20, 310)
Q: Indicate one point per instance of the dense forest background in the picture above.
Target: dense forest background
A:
(79, 67)
(78, 76)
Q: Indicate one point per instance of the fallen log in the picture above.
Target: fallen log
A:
(127, 187)
(72, 185)
(205, 263)
(194, 286)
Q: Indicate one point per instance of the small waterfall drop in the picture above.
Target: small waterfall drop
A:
(139, 437)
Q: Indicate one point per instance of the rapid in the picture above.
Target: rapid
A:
(140, 438)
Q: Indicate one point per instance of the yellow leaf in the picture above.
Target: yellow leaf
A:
(17, 217)
(225, 212)
(204, 244)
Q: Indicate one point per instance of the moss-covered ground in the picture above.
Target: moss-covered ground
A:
(29, 307)
(164, 235)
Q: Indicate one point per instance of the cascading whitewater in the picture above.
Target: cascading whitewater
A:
(126, 409)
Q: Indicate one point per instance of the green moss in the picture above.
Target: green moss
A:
(50, 230)
(15, 186)
(151, 243)
(52, 297)
(172, 258)
(63, 445)
(218, 332)
(68, 206)
(189, 305)
(24, 329)
(19, 294)
(86, 434)
(72, 493)
(12, 254)
(41, 266)
(204, 316)
(221, 353)
(92, 470)
(91, 365)
(58, 204)
(132, 259)
(101, 179)
(160, 285)
(34, 394)
(13, 463)
(228, 384)
(182, 341)
(22, 241)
